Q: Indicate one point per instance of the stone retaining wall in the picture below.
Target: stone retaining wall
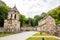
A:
(1, 29)
(28, 28)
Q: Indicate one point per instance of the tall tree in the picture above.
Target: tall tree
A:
(23, 19)
(55, 13)
(3, 12)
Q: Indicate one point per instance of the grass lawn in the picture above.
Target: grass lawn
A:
(4, 34)
(43, 34)
(40, 38)
(32, 38)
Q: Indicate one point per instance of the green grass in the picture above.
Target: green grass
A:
(35, 38)
(43, 34)
(4, 34)
(40, 38)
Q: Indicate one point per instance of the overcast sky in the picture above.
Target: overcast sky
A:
(30, 8)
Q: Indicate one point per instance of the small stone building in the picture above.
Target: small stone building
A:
(12, 23)
(47, 25)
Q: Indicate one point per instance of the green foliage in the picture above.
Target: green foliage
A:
(22, 20)
(36, 19)
(39, 17)
(43, 14)
(55, 13)
(31, 21)
(3, 12)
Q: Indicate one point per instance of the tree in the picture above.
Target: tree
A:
(43, 14)
(23, 20)
(55, 13)
(3, 12)
(36, 19)
(30, 22)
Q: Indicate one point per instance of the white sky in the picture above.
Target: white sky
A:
(30, 8)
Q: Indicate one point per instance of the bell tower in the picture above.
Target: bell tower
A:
(13, 13)
(12, 24)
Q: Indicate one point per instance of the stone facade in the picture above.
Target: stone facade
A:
(58, 30)
(12, 24)
(47, 25)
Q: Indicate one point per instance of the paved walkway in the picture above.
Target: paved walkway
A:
(19, 36)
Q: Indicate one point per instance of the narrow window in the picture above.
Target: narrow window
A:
(15, 16)
(11, 16)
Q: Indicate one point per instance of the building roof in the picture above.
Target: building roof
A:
(14, 9)
(44, 18)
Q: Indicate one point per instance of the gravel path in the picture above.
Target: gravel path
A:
(19, 36)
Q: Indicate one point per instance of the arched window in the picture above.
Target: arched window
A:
(15, 16)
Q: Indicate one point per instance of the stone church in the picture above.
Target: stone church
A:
(47, 25)
(12, 23)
